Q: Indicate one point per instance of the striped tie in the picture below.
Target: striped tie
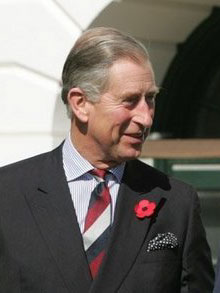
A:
(97, 223)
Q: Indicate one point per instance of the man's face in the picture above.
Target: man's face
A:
(119, 123)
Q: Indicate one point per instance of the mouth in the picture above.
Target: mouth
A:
(139, 136)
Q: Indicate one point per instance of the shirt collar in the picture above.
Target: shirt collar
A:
(75, 165)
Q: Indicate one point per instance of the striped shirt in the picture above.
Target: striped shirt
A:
(81, 183)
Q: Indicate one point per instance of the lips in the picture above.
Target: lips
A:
(136, 137)
(139, 135)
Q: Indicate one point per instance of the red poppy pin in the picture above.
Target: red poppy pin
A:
(144, 208)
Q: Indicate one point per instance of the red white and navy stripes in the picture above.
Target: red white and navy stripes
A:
(97, 223)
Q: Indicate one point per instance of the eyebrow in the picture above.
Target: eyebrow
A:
(154, 91)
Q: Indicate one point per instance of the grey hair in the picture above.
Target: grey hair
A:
(88, 62)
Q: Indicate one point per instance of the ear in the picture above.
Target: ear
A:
(78, 103)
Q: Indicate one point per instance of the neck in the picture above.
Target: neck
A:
(87, 150)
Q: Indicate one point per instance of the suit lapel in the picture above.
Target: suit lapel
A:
(52, 208)
(129, 233)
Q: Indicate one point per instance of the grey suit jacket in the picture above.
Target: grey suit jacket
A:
(41, 248)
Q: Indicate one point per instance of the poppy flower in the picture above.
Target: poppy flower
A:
(144, 208)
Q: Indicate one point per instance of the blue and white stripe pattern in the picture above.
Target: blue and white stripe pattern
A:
(81, 183)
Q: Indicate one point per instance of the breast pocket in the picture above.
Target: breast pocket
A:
(163, 255)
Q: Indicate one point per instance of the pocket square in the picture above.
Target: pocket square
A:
(162, 241)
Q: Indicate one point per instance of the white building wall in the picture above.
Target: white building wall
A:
(35, 38)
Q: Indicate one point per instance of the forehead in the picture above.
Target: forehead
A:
(128, 75)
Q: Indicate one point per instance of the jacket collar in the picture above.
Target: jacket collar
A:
(51, 205)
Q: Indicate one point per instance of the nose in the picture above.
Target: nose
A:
(144, 114)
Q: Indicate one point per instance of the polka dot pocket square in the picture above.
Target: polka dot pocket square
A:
(163, 241)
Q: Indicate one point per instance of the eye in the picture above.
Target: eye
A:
(131, 101)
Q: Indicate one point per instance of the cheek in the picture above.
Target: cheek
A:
(112, 123)
(121, 116)
(120, 123)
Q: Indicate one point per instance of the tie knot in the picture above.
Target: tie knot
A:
(99, 173)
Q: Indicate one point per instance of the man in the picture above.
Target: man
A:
(88, 216)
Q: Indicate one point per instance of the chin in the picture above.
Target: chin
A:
(127, 153)
(130, 156)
